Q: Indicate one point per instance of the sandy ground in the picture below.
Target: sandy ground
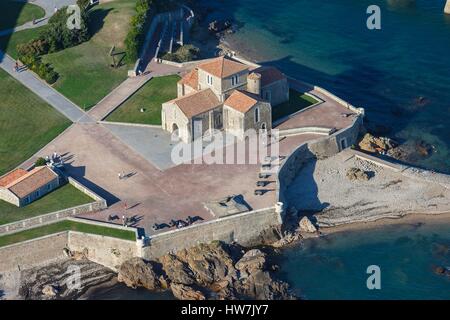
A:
(415, 219)
(323, 186)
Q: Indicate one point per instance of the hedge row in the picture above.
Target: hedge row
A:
(138, 25)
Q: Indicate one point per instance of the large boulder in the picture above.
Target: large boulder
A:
(183, 292)
(442, 271)
(305, 225)
(177, 271)
(136, 272)
(209, 262)
(373, 144)
(260, 285)
(251, 262)
(49, 291)
(357, 174)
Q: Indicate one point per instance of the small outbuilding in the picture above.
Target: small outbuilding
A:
(21, 187)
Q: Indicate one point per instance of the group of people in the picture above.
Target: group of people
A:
(175, 223)
(16, 66)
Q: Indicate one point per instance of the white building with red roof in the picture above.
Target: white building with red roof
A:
(21, 187)
(224, 94)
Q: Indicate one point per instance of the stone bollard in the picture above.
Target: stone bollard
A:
(279, 208)
(140, 244)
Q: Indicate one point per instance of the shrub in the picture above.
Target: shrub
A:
(59, 36)
(35, 47)
(83, 4)
(56, 36)
(183, 54)
(40, 162)
(138, 25)
(43, 70)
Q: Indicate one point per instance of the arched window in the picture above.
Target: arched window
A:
(256, 114)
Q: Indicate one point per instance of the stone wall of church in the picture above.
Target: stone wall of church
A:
(265, 117)
(276, 92)
(171, 115)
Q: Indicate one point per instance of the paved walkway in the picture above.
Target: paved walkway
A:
(49, 7)
(118, 96)
(127, 88)
(43, 90)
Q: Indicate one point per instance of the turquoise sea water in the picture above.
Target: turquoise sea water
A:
(385, 71)
(336, 267)
(327, 43)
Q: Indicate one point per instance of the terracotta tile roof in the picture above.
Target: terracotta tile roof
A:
(222, 67)
(190, 79)
(31, 181)
(269, 75)
(197, 102)
(12, 176)
(241, 101)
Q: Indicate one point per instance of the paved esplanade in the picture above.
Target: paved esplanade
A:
(44, 91)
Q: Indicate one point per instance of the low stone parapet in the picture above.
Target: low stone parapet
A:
(44, 219)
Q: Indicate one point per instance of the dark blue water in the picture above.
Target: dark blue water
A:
(335, 267)
(386, 71)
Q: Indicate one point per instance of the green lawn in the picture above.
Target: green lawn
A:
(9, 43)
(85, 74)
(64, 226)
(16, 13)
(297, 101)
(26, 123)
(64, 197)
(150, 97)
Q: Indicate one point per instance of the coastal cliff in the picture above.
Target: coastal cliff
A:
(209, 271)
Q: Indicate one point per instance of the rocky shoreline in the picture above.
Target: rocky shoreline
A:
(215, 271)
(208, 271)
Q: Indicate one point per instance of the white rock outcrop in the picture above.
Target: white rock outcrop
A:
(305, 225)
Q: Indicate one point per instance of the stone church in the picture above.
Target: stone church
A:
(224, 94)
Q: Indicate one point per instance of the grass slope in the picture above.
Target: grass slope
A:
(15, 13)
(150, 97)
(85, 72)
(26, 123)
(297, 101)
(65, 226)
(9, 43)
(64, 197)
